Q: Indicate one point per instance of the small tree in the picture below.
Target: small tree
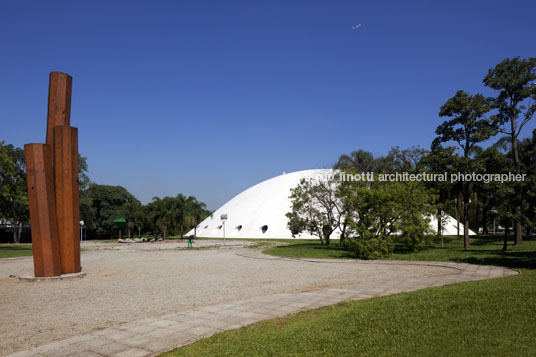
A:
(316, 209)
(381, 213)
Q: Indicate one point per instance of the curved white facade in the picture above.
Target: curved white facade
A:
(259, 211)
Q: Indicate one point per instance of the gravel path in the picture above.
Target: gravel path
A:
(129, 282)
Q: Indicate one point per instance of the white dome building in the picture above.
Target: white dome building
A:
(259, 211)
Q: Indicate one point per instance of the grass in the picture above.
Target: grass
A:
(15, 250)
(485, 250)
(483, 318)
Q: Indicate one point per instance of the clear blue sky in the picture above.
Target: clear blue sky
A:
(208, 98)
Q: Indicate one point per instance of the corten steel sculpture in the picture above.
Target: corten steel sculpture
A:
(52, 172)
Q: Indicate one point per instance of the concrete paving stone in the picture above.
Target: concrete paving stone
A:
(110, 348)
(202, 331)
(177, 317)
(133, 352)
(87, 354)
(201, 314)
(117, 334)
(232, 319)
(138, 341)
(185, 326)
(141, 329)
(217, 324)
(252, 315)
(159, 333)
(158, 346)
(25, 353)
(44, 349)
(164, 323)
(270, 312)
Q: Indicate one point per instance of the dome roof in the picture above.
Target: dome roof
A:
(259, 211)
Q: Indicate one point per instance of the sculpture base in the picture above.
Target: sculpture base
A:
(53, 278)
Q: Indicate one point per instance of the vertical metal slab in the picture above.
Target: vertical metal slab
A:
(42, 210)
(67, 197)
(59, 103)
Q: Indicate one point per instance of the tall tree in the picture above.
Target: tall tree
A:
(106, 204)
(515, 103)
(130, 211)
(13, 191)
(467, 127)
(441, 160)
(195, 212)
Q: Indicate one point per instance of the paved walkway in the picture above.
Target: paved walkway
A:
(153, 336)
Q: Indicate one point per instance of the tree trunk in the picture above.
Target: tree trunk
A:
(128, 229)
(181, 230)
(457, 209)
(15, 236)
(477, 218)
(439, 225)
(343, 235)
(466, 207)
(518, 229)
(505, 243)
(518, 232)
(17, 232)
(485, 213)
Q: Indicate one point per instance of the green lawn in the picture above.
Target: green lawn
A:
(484, 318)
(15, 250)
(484, 250)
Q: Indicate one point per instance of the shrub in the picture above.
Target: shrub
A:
(373, 248)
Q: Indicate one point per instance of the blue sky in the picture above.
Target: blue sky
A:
(207, 98)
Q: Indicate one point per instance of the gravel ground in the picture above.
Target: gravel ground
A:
(128, 282)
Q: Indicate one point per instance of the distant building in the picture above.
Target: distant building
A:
(259, 211)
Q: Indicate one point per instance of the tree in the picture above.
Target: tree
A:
(497, 196)
(105, 204)
(467, 127)
(195, 213)
(441, 160)
(316, 209)
(403, 160)
(163, 213)
(380, 212)
(13, 190)
(130, 211)
(359, 160)
(515, 105)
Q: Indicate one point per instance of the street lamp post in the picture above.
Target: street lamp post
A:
(223, 218)
(81, 232)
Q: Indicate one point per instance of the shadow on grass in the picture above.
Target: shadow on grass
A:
(514, 260)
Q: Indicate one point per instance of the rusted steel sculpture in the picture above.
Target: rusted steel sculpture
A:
(42, 210)
(52, 172)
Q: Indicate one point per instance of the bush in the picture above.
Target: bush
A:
(373, 248)
(414, 232)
